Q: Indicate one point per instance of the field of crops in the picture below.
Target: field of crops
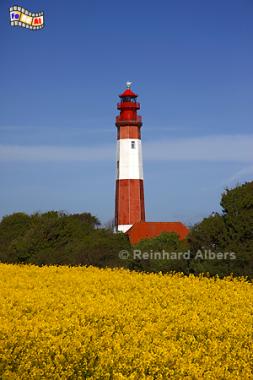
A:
(87, 323)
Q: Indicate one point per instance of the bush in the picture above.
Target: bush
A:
(166, 243)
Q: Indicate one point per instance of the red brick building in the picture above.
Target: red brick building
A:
(146, 230)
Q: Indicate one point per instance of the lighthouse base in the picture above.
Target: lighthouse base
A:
(123, 227)
(129, 205)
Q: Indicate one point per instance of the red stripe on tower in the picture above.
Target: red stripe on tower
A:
(129, 199)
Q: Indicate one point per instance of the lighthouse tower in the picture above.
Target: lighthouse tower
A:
(129, 199)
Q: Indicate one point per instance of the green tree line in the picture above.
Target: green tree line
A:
(58, 238)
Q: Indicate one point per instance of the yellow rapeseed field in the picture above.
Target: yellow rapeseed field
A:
(87, 323)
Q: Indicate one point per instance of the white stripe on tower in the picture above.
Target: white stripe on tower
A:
(129, 158)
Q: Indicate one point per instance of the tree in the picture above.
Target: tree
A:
(12, 229)
(209, 234)
(230, 231)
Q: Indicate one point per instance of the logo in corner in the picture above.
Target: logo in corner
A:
(25, 19)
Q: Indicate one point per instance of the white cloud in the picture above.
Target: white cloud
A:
(55, 153)
(237, 148)
(223, 148)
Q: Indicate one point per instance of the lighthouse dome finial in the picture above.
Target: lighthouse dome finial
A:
(129, 84)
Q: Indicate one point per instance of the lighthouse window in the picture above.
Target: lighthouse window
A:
(133, 144)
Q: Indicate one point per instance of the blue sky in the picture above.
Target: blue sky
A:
(191, 64)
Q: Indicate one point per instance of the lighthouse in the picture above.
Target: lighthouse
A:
(129, 197)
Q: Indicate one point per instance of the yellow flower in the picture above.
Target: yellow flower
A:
(89, 323)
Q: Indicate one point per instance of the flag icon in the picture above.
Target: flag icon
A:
(25, 19)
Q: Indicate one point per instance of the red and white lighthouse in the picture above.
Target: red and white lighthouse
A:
(129, 199)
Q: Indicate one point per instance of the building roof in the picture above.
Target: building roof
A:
(147, 230)
(128, 93)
